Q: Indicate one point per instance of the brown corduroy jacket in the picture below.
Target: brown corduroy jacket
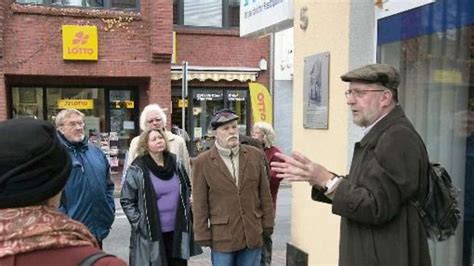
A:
(228, 217)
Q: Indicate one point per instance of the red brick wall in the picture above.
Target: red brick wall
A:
(222, 48)
(3, 110)
(138, 50)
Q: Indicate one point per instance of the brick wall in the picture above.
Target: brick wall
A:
(32, 47)
(222, 48)
(3, 108)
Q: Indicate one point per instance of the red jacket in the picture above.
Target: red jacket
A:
(69, 256)
(274, 181)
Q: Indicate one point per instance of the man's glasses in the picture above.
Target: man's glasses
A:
(358, 92)
(154, 120)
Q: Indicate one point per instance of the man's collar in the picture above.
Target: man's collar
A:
(225, 151)
(366, 130)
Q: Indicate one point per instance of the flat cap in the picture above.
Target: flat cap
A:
(222, 117)
(384, 74)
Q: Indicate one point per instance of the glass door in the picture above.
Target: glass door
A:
(237, 101)
(122, 124)
(205, 103)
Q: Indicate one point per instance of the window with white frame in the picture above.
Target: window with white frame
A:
(206, 13)
(119, 4)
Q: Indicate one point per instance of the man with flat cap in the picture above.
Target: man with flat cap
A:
(379, 226)
(232, 204)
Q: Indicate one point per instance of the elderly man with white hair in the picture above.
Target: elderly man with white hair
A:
(153, 117)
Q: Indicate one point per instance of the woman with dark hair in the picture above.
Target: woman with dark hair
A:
(156, 200)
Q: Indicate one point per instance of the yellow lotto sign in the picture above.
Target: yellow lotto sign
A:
(75, 104)
(261, 103)
(80, 42)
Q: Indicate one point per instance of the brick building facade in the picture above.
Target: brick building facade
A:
(134, 65)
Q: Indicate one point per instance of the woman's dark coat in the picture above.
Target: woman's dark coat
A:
(379, 226)
(144, 250)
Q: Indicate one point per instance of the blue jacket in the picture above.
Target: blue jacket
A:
(88, 194)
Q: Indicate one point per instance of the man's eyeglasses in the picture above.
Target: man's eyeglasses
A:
(358, 92)
(154, 120)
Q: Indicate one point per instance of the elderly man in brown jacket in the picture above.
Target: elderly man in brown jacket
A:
(231, 197)
(379, 225)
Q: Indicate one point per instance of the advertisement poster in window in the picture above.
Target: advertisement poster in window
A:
(28, 95)
(316, 91)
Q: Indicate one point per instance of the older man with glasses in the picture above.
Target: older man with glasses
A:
(153, 117)
(88, 194)
(379, 225)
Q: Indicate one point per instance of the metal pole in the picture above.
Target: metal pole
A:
(184, 93)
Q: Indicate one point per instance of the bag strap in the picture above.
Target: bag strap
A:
(91, 259)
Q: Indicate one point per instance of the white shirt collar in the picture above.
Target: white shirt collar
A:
(367, 129)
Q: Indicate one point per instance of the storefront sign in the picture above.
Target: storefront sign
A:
(79, 104)
(236, 96)
(209, 96)
(260, 17)
(124, 104)
(182, 103)
(80, 42)
(447, 76)
(261, 103)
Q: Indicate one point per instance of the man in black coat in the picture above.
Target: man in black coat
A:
(379, 226)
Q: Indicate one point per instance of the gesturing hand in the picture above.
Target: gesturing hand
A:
(298, 167)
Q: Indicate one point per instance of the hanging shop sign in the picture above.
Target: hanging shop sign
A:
(79, 104)
(80, 42)
(261, 17)
(261, 103)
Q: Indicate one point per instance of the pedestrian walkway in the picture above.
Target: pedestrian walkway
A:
(118, 240)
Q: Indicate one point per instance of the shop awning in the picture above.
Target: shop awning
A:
(202, 73)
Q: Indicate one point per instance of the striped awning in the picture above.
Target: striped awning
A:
(201, 73)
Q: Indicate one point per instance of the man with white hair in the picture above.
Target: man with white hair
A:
(153, 117)
(232, 205)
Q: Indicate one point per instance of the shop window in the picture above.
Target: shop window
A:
(207, 13)
(27, 102)
(236, 101)
(119, 4)
(88, 101)
(432, 48)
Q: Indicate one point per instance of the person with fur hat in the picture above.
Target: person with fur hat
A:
(379, 224)
(232, 205)
(34, 167)
(88, 194)
(153, 117)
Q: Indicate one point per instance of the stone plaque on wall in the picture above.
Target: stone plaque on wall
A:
(316, 91)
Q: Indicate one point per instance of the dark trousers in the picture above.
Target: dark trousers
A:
(467, 240)
(266, 258)
(168, 243)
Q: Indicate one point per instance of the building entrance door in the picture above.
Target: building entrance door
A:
(205, 102)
